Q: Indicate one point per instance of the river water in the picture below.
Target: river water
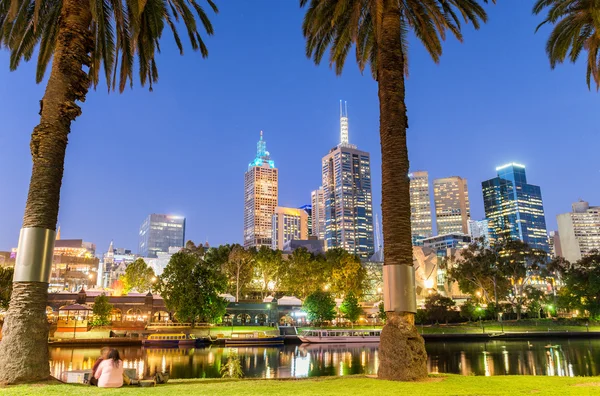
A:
(540, 357)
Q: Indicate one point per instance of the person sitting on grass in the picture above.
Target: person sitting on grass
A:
(103, 356)
(110, 371)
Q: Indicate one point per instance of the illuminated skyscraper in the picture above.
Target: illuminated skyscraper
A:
(420, 207)
(260, 197)
(514, 208)
(289, 224)
(159, 232)
(579, 231)
(452, 210)
(346, 175)
(318, 213)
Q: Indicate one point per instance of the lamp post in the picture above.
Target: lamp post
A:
(500, 319)
(479, 310)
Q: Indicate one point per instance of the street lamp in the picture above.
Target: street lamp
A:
(479, 310)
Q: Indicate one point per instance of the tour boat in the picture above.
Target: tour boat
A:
(165, 339)
(254, 338)
(340, 336)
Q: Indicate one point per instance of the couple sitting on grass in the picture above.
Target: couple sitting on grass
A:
(108, 370)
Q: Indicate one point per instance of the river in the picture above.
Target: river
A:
(540, 357)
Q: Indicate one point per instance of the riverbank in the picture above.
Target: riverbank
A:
(354, 385)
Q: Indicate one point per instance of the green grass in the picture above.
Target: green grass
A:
(355, 386)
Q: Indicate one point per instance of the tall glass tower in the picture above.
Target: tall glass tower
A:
(514, 208)
(346, 176)
(260, 197)
(159, 232)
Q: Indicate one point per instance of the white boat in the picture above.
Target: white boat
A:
(340, 336)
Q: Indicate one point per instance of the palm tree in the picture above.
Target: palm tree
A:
(380, 31)
(76, 35)
(576, 28)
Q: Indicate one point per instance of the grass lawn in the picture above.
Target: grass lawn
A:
(355, 386)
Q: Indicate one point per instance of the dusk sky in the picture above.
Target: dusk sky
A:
(184, 148)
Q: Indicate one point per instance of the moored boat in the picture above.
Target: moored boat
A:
(254, 338)
(340, 336)
(166, 339)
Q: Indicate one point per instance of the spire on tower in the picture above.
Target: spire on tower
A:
(344, 140)
(262, 155)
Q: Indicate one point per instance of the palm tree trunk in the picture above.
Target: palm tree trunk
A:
(402, 349)
(23, 350)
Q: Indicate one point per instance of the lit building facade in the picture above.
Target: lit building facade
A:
(288, 224)
(308, 210)
(579, 231)
(346, 176)
(420, 207)
(452, 209)
(261, 197)
(514, 208)
(318, 213)
(159, 232)
(454, 240)
(479, 229)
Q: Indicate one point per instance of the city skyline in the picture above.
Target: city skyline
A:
(114, 176)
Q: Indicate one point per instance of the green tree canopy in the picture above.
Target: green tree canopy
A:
(347, 273)
(438, 307)
(319, 307)
(6, 278)
(350, 308)
(239, 269)
(138, 276)
(581, 289)
(267, 267)
(191, 287)
(101, 310)
(303, 273)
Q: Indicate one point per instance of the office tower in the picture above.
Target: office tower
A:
(579, 231)
(318, 213)
(420, 207)
(288, 224)
(346, 175)
(308, 210)
(260, 197)
(554, 244)
(514, 208)
(159, 232)
(456, 240)
(452, 210)
(479, 229)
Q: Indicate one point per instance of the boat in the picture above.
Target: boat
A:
(170, 339)
(340, 336)
(254, 338)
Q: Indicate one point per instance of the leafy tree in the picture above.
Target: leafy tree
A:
(6, 277)
(101, 310)
(319, 307)
(536, 299)
(438, 307)
(191, 287)
(303, 273)
(347, 272)
(381, 312)
(82, 40)
(350, 308)
(575, 30)
(581, 290)
(267, 266)
(379, 31)
(233, 367)
(138, 276)
(239, 269)
(469, 310)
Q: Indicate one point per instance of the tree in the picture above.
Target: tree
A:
(381, 312)
(233, 367)
(239, 269)
(575, 29)
(319, 307)
(138, 276)
(267, 265)
(581, 289)
(350, 308)
(303, 273)
(347, 272)
(191, 286)
(438, 307)
(6, 278)
(101, 310)
(379, 29)
(82, 40)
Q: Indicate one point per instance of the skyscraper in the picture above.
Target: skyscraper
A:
(579, 231)
(479, 229)
(318, 213)
(452, 210)
(308, 210)
(288, 224)
(346, 175)
(420, 207)
(260, 197)
(514, 208)
(159, 232)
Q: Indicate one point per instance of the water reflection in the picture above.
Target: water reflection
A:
(555, 358)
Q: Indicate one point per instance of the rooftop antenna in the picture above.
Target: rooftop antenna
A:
(344, 125)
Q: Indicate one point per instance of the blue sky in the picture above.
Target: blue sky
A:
(184, 148)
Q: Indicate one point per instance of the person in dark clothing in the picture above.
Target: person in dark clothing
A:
(103, 355)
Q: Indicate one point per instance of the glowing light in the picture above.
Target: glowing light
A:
(428, 283)
(511, 164)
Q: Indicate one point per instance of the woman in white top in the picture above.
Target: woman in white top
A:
(110, 372)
